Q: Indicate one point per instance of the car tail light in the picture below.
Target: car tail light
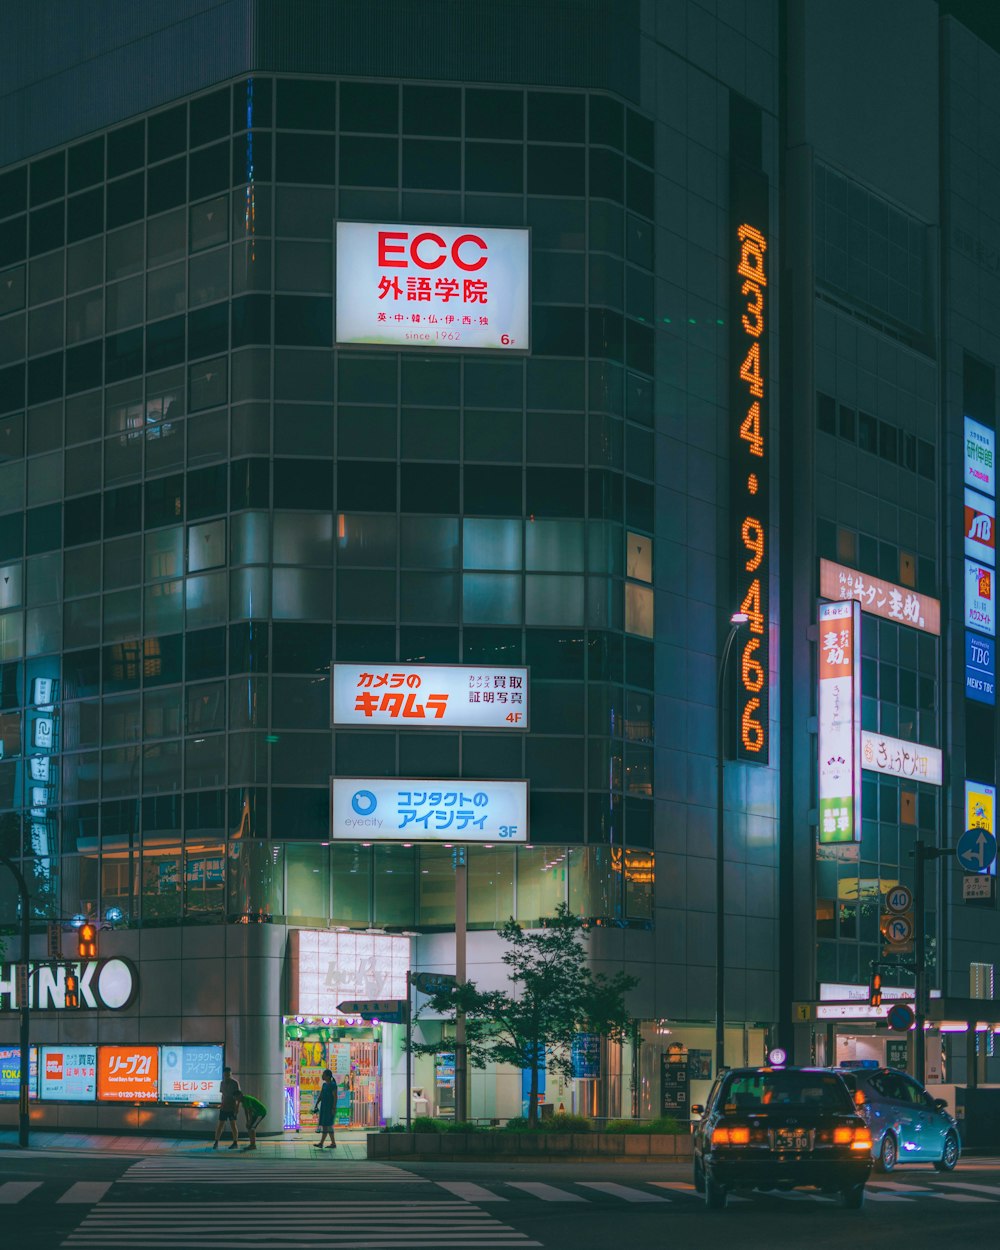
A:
(737, 1136)
(862, 1139)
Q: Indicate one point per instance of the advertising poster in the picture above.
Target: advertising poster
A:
(896, 758)
(980, 668)
(881, 598)
(839, 723)
(190, 1073)
(980, 448)
(69, 1073)
(674, 1086)
(128, 1073)
(433, 286)
(430, 696)
(980, 597)
(980, 527)
(586, 1056)
(980, 801)
(10, 1073)
(404, 809)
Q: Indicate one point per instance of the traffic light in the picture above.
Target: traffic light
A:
(875, 989)
(71, 993)
(86, 939)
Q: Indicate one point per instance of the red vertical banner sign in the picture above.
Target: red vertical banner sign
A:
(750, 452)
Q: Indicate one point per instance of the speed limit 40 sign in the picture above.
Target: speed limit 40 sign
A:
(898, 899)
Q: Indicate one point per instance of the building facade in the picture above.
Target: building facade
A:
(741, 362)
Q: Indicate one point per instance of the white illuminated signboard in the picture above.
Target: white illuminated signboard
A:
(839, 722)
(430, 696)
(433, 286)
(980, 597)
(409, 809)
(328, 968)
(980, 449)
(880, 598)
(68, 1073)
(190, 1073)
(895, 758)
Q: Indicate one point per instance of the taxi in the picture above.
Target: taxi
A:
(781, 1128)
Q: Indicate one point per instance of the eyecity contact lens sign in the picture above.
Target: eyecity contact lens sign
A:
(407, 809)
(432, 286)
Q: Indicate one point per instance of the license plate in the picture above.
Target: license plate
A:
(792, 1139)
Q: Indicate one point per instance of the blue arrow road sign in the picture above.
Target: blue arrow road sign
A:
(976, 850)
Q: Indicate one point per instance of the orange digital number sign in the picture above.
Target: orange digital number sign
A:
(750, 457)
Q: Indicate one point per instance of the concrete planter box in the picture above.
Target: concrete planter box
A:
(454, 1147)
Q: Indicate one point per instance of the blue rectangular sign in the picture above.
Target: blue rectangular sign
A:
(10, 1073)
(980, 668)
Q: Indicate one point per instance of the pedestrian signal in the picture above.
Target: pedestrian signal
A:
(875, 990)
(72, 990)
(86, 939)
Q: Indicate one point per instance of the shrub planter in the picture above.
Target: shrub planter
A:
(531, 1146)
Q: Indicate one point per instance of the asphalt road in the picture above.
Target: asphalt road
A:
(54, 1199)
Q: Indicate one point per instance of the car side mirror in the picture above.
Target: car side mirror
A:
(697, 1109)
(940, 1104)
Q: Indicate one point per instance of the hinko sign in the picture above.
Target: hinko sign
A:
(433, 286)
(105, 985)
(407, 809)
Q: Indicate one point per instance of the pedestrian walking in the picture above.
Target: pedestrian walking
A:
(253, 1112)
(326, 1105)
(229, 1108)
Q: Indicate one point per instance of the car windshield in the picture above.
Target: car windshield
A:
(764, 1091)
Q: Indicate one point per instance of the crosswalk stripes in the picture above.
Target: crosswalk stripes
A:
(622, 1191)
(14, 1191)
(469, 1191)
(993, 1190)
(547, 1193)
(365, 1225)
(85, 1191)
(222, 1170)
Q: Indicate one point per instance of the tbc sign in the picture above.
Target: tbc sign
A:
(105, 985)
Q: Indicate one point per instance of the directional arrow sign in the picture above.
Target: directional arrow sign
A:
(389, 1010)
(898, 929)
(433, 982)
(976, 850)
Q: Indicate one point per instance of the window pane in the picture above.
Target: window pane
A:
(491, 598)
(366, 540)
(249, 593)
(429, 542)
(205, 598)
(639, 557)
(555, 545)
(552, 600)
(302, 595)
(308, 880)
(302, 537)
(541, 882)
(206, 546)
(251, 540)
(492, 544)
(638, 610)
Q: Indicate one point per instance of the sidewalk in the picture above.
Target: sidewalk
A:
(350, 1145)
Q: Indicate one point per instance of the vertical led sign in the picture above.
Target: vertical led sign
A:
(749, 461)
(840, 722)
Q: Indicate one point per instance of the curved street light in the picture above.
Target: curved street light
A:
(736, 623)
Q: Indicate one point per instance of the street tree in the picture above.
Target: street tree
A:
(553, 996)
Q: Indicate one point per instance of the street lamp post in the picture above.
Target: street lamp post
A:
(736, 621)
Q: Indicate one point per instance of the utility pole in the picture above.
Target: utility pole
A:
(461, 929)
(921, 854)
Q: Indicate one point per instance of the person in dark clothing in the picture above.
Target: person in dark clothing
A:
(229, 1108)
(327, 1108)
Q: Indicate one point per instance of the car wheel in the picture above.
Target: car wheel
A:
(698, 1178)
(715, 1195)
(853, 1197)
(949, 1155)
(888, 1154)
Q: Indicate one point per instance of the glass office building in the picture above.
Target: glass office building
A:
(207, 500)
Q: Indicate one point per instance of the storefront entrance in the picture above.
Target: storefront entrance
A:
(353, 1054)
